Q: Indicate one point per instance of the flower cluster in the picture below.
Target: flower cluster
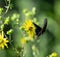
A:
(29, 13)
(29, 27)
(6, 28)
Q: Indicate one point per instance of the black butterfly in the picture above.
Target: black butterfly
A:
(40, 30)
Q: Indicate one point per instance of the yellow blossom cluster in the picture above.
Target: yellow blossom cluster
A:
(29, 28)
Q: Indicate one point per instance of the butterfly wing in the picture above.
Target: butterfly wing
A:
(40, 30)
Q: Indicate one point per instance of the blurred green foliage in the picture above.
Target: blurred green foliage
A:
(48, 42)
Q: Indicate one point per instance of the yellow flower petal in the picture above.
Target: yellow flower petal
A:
(3, 41)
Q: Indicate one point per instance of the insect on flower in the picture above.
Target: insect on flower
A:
(33, 29)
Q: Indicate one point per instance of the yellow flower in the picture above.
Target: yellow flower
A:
(29, 27)
(23, 41)
(3, 41)
(54, 54)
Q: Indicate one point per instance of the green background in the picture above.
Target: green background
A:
(50, 41)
